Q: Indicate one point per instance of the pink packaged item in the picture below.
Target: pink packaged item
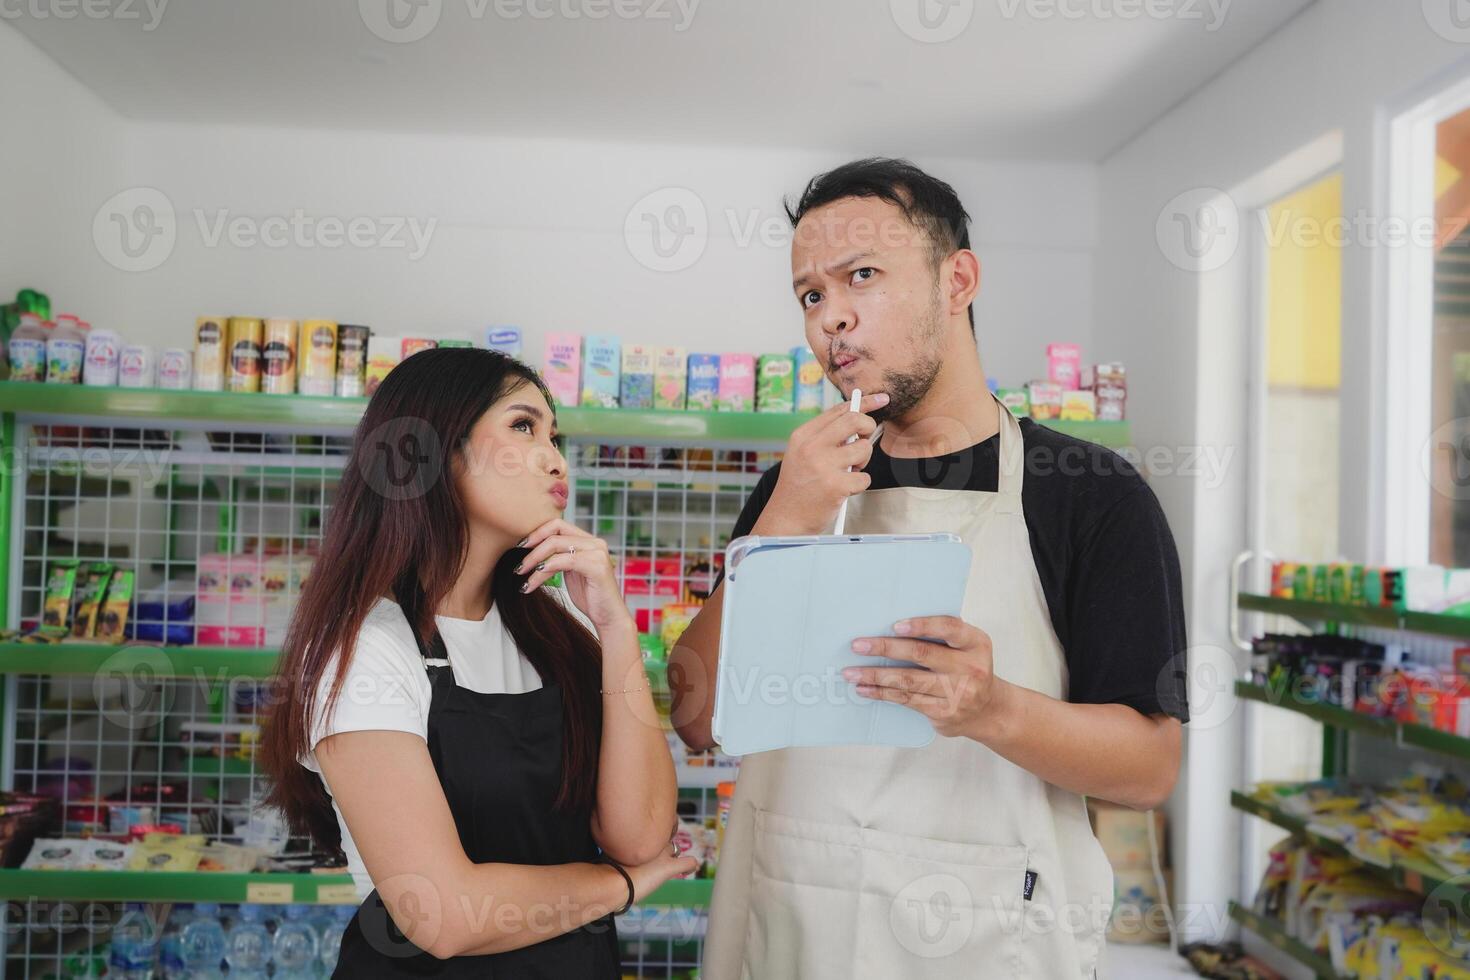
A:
(737, 383)
(563, 369)
(1064, 365)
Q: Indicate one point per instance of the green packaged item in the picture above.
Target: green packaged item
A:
(775, 386)
(1301, 586)
(1016, 400)
(1320, 589)
(455, 342)
(89, 598)
(56, 608)
(114, 613)
(1338, 587)
(1373, 587)
(1357, 583)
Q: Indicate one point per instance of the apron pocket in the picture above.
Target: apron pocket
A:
(831, 900)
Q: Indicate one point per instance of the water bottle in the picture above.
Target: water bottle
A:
(202, 943)
(295, 945)
(248, 945)
(133, 941)
(332, 937)
(171, 945)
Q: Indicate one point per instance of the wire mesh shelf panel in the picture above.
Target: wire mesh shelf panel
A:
(220, 530)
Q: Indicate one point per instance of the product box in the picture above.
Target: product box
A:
(1064, 365)
(1079, 406)
(563, 368)
(775, 383)
(670, 376)
(602, 364)
(1108, 373)
(1016, 400)
(412, 345)
(704, 382)
(383, 355)
(809, 378)
(737, 383)
(1123, 834)
(1045, 398)
(1139, 915)
(636, 390)
(507, 340)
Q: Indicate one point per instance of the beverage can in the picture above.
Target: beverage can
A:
(209, 353)
(278, 357)
(352, 341)
(316, 357)
(246, 334)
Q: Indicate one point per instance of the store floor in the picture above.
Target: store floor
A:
(1144, 963)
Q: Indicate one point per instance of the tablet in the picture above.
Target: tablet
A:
(793, 606)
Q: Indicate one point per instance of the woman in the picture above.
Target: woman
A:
(484, 748)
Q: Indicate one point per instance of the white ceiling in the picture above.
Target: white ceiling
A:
(1057, 79)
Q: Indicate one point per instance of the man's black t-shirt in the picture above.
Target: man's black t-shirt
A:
(1102, 549)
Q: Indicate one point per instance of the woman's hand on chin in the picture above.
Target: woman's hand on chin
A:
(586, 565)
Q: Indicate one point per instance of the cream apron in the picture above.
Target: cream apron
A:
(915, 864)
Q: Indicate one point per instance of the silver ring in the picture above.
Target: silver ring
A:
(674, 846)
(571, 549)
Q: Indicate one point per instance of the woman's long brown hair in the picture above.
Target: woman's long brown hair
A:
(398, 529)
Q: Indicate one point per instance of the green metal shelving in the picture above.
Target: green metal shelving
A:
(612, 424)
(1432, 624)
(1273, 933)
(1421, 878)
(228, 888)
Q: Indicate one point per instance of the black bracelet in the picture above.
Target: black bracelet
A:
(620, 869)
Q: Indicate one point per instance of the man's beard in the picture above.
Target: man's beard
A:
(906, 389)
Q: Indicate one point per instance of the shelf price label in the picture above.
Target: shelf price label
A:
(269, 893)
(337, 894)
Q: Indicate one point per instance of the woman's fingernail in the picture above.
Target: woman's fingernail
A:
(521, 569)
(902, 626)
(522, 543)
(861, 646)
(541, 567)
(526, 588)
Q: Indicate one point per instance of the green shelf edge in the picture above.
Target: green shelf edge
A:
(174, 661)
(214, 886)
(1417, 877)
(1402, 733)
(158, 886)
(1432, 624)
(307, 411)
(1274, 934)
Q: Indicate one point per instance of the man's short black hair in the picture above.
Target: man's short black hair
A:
(927, 202)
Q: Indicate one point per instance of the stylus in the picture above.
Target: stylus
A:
(857, 397)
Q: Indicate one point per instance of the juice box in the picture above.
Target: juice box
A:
(737, 383)
(114, 614)
(809, 379)
(636, 390)
(704, 382)
(383, 355)
(507, 340)
(563, 369)
(670, 376)
(1079, 406)
(412, 345)
(1046, 399)
(89, 598)
(454, 342)
(601, 370)
(60, 584)
(776, 383)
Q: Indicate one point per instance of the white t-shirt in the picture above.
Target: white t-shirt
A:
(387, 687)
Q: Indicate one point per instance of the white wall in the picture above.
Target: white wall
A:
(529, 232)
(1340, 66)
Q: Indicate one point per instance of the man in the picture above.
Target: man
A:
(971, 857)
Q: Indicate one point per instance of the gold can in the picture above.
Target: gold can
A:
(317, 357)
(278, 357)
(246, 333)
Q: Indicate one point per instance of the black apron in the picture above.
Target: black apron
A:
(499, 759)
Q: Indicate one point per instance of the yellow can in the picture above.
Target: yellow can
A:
(246, 333)
(317, 357)
(278, 357)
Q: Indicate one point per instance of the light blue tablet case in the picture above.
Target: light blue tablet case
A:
(793, 606)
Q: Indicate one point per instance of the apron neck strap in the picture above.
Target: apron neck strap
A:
(1012, 455)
